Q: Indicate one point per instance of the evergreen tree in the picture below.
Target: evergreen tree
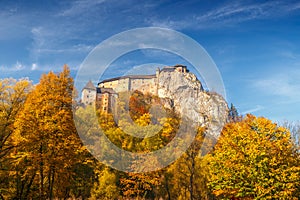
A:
(233, 115)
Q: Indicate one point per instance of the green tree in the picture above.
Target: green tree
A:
(254, 159)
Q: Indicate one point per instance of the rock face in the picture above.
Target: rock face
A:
(190, 100)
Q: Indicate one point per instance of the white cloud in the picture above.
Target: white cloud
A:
(71, 49)
(294, 7)
(34, 66)
(252, 110)
(12, 25)
(286, 85)
(80, 6)
(146, 69)
(19, 66)
(47, 40)
(288, 53)
(242, 12)
(227, 15)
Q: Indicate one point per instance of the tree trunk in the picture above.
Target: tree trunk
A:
(29, 185)
(51, 178)
(192, 179)
(41, 173)
(168, 189)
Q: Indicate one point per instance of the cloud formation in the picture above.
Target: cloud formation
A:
(227, 14)
(80, 6)
(282, 85)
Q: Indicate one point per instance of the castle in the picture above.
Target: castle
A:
(178, 89)
(107, 90)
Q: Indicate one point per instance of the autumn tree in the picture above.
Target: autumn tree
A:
(140, 185)
(47, 146)
(138, 104)
(13, 94)
(254, 159)
(124, 131)
(107, 185)
(186, 178)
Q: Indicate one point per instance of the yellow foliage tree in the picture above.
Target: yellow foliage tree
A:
(45, 137)
(13, 94)
(106, 187)
(254, 159)
(186, 178)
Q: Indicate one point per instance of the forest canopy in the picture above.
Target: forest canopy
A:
(42, 156)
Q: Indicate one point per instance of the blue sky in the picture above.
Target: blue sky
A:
(255, 44)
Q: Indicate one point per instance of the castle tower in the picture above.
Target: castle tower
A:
(157, 80)
(88, 94)
(157, 72)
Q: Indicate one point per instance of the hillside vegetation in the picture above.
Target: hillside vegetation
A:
(42, 156)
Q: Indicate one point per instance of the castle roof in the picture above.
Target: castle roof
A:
(168, 69)
(171, 68)
(130, 76)
(106, 90)
(89, 86)
(178, 65)
(165, 69)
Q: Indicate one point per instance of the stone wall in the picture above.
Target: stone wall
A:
(147, 85)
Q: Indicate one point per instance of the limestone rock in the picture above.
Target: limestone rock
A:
(190, 100)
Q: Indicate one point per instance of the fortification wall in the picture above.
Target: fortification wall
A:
(146, 85)
(123, 85)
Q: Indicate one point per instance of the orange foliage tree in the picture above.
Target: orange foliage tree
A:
(254, 159)
(47, 145)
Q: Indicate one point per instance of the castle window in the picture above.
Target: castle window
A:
(104, 108)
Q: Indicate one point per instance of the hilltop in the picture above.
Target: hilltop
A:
(178, 89)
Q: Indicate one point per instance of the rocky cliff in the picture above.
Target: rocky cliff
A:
(187, 97)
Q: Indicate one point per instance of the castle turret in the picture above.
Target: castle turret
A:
(157, 72)
(88, 95)
(157, 80)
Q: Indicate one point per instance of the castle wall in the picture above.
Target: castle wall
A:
(143, 83)
(106, 102)
(147, 85)
(110, 84)
(123, 85)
